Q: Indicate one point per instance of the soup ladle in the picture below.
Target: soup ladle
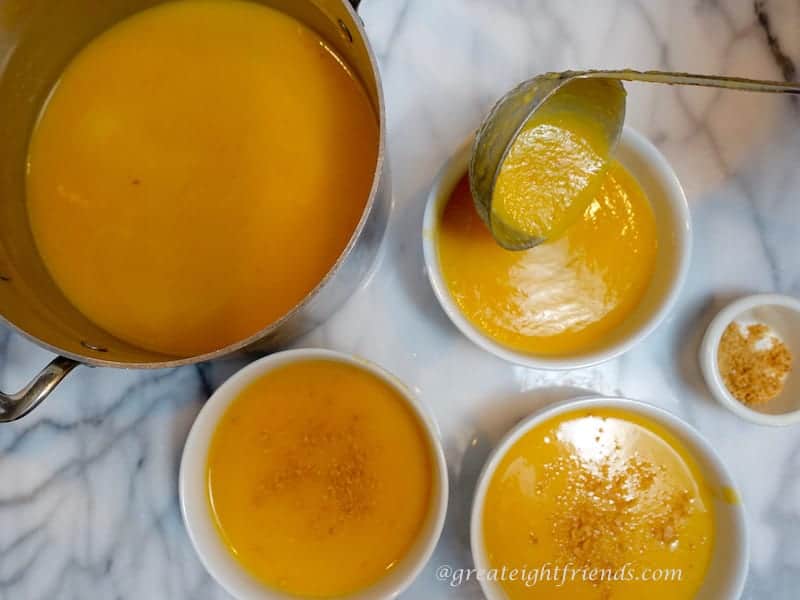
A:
(596, 95)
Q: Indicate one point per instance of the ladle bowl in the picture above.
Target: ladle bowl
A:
(597, 95)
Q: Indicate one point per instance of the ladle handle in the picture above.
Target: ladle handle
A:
(16, 406)
(717, 81)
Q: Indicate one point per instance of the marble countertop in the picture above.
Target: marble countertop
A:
(88, 483)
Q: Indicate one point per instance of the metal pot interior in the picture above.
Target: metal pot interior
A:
(37, 40)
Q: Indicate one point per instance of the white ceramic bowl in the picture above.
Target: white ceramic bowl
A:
(782, 315)
(666, 196)
(728, 569)
(214, 555)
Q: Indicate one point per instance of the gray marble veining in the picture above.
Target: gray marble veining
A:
(88, 483)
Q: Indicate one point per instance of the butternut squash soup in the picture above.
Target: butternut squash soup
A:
(603, 490)
(320, 478)
(197, 170)
(551, 172)
(565, 295)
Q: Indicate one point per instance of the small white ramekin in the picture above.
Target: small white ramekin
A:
(782, 315)
(729, 563)
(213, 553)
(673, 222)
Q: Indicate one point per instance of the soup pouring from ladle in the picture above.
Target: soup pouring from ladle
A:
(597, 97)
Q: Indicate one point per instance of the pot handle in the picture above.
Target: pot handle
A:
(16, 406)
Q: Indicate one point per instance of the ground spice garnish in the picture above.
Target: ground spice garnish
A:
(611, 514)
(753, 363)
(336, 458)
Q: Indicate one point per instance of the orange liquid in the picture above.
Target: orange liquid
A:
(601, 489)
(564, 295)
(319, 478)
(551, 173)
(197, 170)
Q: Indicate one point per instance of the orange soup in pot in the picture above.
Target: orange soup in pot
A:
(197, 170)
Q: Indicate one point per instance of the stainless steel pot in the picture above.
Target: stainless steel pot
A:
(37, 39)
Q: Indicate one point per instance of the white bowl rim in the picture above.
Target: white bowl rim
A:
(676, 196)
(195, 450)
(710, 368)
(657, 414)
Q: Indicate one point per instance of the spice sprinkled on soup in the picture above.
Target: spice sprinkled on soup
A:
(601, 490)
(320, 478)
